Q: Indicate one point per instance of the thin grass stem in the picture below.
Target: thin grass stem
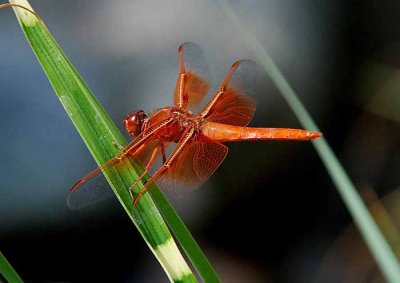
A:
(372, 235)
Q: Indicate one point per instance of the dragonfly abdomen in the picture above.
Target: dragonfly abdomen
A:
(225, 133)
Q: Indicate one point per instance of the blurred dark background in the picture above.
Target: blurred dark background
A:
(270, 213)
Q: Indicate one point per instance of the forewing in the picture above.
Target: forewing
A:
(234, 103)
(195, 164)
(194, 77)
(94, 187)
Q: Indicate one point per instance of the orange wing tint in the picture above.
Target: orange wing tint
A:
(234, 103)
(195, 164)
(194, 77)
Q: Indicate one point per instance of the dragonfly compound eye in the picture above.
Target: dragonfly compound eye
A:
(133, 122)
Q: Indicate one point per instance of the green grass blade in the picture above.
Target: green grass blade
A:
(99, 134)
(185, 239)
(373, 237)
(8, 271)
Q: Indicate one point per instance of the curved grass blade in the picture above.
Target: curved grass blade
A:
(372, 235)
(99, 134)
(8, 271)
(185, 239)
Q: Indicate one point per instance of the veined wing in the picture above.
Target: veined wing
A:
(93, 187)
(234, 103)
(195, 164)
(194, 77)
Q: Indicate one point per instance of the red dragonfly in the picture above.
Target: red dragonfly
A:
(198, 138)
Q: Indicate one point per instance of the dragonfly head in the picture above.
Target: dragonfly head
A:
(133, 122)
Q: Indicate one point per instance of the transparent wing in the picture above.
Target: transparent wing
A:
(234, 103)
(94, 187)
(195, 164)
(194, 77)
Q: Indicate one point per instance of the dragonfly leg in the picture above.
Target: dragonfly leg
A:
(149, 182)
(120, 146)
(135, 183)
(167, 164)
(150, 164)
(164, 159)
(127, 151)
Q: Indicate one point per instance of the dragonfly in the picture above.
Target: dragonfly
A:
(195, 139)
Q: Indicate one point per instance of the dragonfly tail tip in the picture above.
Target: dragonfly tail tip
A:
(315, 135)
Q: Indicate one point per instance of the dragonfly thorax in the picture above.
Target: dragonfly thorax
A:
(187, 119)
(181, 121)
